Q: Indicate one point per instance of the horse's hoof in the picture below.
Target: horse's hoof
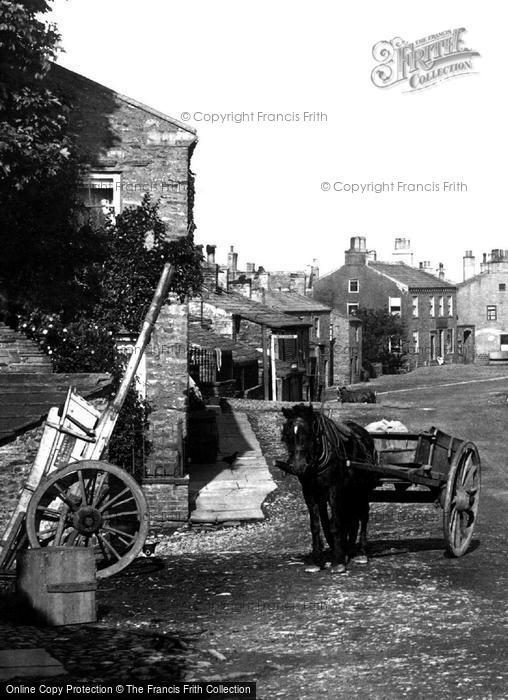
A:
(338, 569)
(312, 569)
(361, 559)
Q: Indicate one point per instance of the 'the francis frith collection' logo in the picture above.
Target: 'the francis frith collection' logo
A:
(423, 63)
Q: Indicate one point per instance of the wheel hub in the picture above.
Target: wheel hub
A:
(87, 520)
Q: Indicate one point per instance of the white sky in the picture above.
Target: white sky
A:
(258, 185)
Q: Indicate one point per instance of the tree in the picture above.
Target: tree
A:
(46, 259)
(33, 119)
(382, 338)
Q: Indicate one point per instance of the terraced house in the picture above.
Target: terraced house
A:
(426, 303)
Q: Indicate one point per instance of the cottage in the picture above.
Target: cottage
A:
(129, 149)
(482, 305)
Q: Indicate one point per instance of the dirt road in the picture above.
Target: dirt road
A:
(413, 623)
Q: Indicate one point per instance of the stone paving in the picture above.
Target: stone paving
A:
(231, 493)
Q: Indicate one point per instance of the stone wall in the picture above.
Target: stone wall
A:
(149, 150)
(15, 463)
(473, 297)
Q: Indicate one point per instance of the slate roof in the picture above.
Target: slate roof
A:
(25, 398)
(57, 71)
(411, 277)
(206, 338)
(292, 302)
(254, 311)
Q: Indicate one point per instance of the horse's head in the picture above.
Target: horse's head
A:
(298, 437)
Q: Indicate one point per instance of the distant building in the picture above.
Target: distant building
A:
(282, 340)
(482, 304)
(288, 293)
(426, 304)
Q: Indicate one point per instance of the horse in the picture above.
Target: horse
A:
(337, 497)
(361, 395)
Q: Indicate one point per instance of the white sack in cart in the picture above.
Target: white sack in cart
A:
(386, 426)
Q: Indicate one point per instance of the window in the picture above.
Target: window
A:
(101, 194)
(394, 306)
(440, 306)
(502, 287)
(416, 342)
(351, 309)
(449, 341)
(286, 348)
(357, 334)
(316, 324)
(492, 313)
(354, 287)
(432, 302)
(450, 306)
(415, 307)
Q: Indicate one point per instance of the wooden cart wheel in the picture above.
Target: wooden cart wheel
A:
(90, 504)
(461, 499)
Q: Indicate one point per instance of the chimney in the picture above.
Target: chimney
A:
(232, 262)
(210, 253)
(425, 265)
(250, 267)
(402, 251)
(440, 271)
(357, 253)
(468, 265)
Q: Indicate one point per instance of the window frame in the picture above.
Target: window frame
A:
(116, 186)
(491, 309)
(353, 291)
(348, 309)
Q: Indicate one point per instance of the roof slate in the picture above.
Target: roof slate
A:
(206, 338)
(25, 398)
(410, 276)
(293, 302)
(254, 311)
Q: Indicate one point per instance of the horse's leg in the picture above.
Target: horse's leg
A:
(325, 521)
(337, 531)
(315, 528)
(362, 557)
(353, 526)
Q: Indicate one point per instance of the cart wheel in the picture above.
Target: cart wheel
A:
(90, 504)
(461, 499)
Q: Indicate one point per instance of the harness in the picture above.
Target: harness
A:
(332, 439)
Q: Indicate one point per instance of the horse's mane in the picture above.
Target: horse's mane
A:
(344, 440)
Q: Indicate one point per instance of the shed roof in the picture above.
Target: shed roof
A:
(206, 338)
(254, 311)
(25, 398)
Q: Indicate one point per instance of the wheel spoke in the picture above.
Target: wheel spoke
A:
(114, 499)
(116, 531)
(96, 492)
(108, 545)
(82, 488)
(63, 497)
(118, 515)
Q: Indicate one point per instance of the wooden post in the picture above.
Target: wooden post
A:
(107, 421)
(266, 364)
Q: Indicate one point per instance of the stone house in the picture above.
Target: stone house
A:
(427, 304)
(482, 306)
(129, 149)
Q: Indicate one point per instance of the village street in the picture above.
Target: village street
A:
(236, 603)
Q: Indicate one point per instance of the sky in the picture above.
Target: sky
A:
(259, 183)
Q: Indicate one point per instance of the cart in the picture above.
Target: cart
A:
(445, 470)
(71, 497)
